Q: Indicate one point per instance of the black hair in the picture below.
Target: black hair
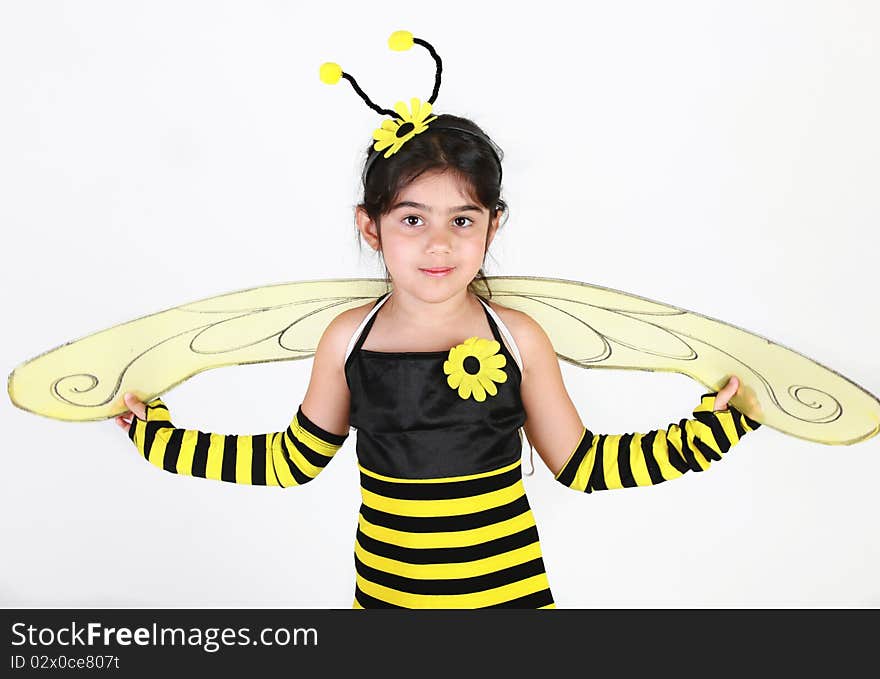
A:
(437, 149)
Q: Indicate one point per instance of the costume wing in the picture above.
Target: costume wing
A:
(589, 326)
(85, 379)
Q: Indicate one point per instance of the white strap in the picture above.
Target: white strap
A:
(360, 328)
(506, 334)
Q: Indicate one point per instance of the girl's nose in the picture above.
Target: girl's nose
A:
(439, 240)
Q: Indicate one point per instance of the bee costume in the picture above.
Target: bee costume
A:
(444, 520)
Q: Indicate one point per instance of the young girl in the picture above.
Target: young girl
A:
(438, 380)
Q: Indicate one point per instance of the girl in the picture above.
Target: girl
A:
(438, 381)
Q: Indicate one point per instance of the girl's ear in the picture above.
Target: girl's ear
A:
(492, 230)
(367, 227)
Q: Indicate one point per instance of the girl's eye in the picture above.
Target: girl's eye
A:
(409, 223)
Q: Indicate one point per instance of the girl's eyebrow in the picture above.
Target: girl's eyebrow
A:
(420, 206)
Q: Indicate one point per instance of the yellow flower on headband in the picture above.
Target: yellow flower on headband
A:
(474, 367)
(394, 134)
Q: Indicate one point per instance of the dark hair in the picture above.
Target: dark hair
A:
(437, 149)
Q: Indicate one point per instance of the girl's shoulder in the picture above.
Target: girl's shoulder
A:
(346, 322)
(528, 334)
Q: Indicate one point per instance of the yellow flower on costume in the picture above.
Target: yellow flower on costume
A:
(394, 134)
(474, 367)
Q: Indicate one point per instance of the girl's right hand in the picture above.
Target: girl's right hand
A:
(134, 406)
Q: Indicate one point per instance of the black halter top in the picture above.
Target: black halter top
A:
(412, 424)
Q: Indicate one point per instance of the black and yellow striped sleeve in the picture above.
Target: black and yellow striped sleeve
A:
(605, 462)
(288, 458)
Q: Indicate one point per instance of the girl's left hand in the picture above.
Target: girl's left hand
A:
(726, 393)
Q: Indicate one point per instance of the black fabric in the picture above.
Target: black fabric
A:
(411, 424)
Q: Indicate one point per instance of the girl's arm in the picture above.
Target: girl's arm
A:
(585, 461)
(284, 458)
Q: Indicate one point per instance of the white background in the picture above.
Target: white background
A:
(718, 156)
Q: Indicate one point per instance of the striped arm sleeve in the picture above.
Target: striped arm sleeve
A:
(605, 462)
(288, 458)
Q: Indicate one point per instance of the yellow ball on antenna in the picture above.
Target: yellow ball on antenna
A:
(330, 73)
(400, 41)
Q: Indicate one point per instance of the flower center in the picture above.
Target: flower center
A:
(404, 129)
(471, 365)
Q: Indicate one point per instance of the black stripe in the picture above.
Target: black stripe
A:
(737, 422)
(313, 457)
(200, 455)
(650, 461)
(711, 420)
(418, 555)
(441, 491)
(568, 473)
(172, 451)
(597, 476)
(318, 432)
(150, 429)
(707, 451)
(446, 524)
(676, 458)
(624, 468)
(133, 427)
(754, 424)
(295, 471)
(469, 585)
(230, 455)
(258, 463)
(368, 601)
(534, 600)
(686, 449)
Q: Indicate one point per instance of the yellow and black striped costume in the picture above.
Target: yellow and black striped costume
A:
(604, 461)
(288, 458)
(444, 520)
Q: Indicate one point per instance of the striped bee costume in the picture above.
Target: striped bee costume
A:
(444, 520)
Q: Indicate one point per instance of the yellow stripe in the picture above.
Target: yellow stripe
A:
(661, 455)
(610, 464)
(548, 606)
(297, 458)
(158, 412)
(279, 463)
(312, 441)
(704, 433)
(701, 459)
(356, 604)
(449, 507)
(244, 455)
(441, 479)
(726, 419)
(214, 463)
(446, 571)
(270, 475)
(458, 538)
(157, 450)
(585, 468)
(487, 597)
(186, 452)
(637, 462)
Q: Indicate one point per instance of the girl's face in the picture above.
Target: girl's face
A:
(432, 225)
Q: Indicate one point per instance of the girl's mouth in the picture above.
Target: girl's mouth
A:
(437, 272)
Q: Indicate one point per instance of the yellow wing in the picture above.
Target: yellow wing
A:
(595, 327)
(589, 326)
(85, 379)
